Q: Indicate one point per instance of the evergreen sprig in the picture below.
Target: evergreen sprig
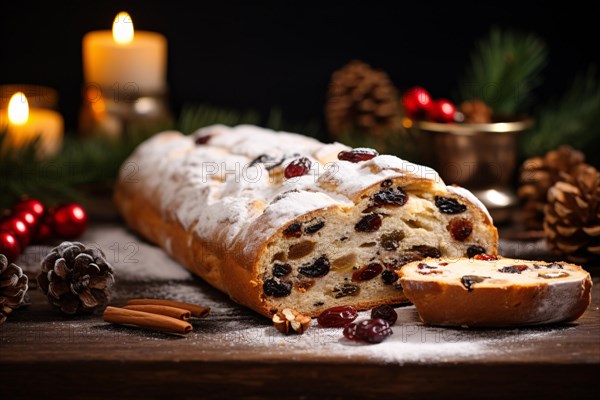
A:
(504, 69)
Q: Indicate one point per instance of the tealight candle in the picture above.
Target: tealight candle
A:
(125, 60)
(23, 125)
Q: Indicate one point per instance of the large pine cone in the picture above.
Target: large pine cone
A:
(572, 215)
(13, 287)
(361, 99)
(76, 278)
(537, 175)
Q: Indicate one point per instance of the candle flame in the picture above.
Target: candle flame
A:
(18, 109)
(122, 29)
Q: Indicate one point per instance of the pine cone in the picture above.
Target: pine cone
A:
(476, 112)
(572, 215)
(13, 287)
(537, 175)
(361, 99)
(76, 278)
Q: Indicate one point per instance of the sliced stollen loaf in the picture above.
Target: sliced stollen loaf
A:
(489, 292)
(279, 220)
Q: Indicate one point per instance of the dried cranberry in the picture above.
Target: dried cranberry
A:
(485, 257)
(202, 139)
(448, 205)
(369, 330)
(367, 272)
(297, 167)
(314, 228)
(293, 230)
(320, 267)
(337, 317)
(472, 251)
(389, 277)
(427, 251)
(469, 280)
(385, 312)
(276, 288)
(280, 270)
(368, 223)
(390, 197)
(357, 155)
(460, 229)
(513, 269)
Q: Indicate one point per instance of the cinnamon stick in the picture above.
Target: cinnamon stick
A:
(173, 312)
(196, 310)
(157, 322)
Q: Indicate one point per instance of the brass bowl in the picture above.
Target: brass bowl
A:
(479, 157)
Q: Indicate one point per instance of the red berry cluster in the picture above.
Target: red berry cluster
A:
(373, 330)
(418, 105)
(30, 222)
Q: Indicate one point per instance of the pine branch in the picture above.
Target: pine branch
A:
(194, 117)
(574, 120)
(505, 67)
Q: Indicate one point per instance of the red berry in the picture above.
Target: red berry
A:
(441, 110)
(297, 167)
(19, 230)
(337, 317)
(385, 312)
(416, 102)
(34, 206)
(357, 155)
(485, 257)
(28, 217)
(460, 229)
(9, 246)
(367, 272)
(69, 221)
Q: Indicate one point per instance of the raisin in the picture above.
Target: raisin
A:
(368, 223)
(385, 312)
(553, 275)
(427, 251)
(293, 230)
(387, 183)
(448, 205)
(513, 269)
(367, 272)
(357, 155)
(314, 228)
(391, 241)
(337, 317)
(301, 249)
(320, 267)
(344, 262)
(297, 167)
(344, 290)
(280, 270)
(276, 288)
(389, 277)
(390, 197)
(202, 139)
(469, 280)
(369, 330)
(472, 251)
(552, 265)
(460, 229)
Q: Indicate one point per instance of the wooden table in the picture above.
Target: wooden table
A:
(237, 353)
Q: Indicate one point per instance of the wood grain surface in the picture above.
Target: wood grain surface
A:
(237, 353)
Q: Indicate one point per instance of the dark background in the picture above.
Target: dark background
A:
(282, 53)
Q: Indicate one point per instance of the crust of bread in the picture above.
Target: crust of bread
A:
(449, 303)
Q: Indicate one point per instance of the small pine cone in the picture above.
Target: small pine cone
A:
(476, 112)
(537, 175)
(361, 99)
(76, 278)
(13, 287)
(572, 215)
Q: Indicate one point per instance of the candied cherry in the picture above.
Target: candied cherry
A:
(357, 155)
(298, 167)
(337, 317)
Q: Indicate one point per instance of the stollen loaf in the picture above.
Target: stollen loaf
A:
(280, 220)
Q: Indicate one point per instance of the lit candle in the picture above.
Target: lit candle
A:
(23, 125)
(124, 60)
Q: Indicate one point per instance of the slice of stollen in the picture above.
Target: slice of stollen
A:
(490, 292)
